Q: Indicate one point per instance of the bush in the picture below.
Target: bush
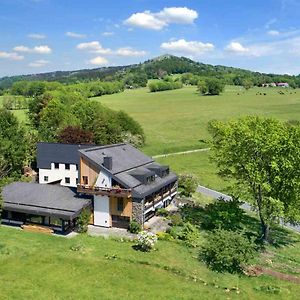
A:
(223, 214)
(176, 219)
(146, 241)
(187, 184)
(162, 212)
(226, 251)
(188, 233)
(164, 236)
(83, 221)
(162, 85)
(211, 86)
(134, 227)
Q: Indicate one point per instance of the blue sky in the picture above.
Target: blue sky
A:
(46, 35)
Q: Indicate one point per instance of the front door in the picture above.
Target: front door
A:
(101, 211)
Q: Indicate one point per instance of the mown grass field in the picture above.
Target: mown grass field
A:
(37, 266)
(177, 120)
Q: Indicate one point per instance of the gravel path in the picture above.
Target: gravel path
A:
(181, 153)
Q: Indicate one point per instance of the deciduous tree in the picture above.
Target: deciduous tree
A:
(262, 156)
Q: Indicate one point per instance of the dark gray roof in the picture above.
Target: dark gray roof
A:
(48, 153)
(124, 157)
(127, 164)
(43, 199)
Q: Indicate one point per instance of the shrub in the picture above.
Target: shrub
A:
(190, 234)
(176, 219)
(146, 241)
(223, 214)
(187, 184)
(162, 212)
(83, 221)
(164, 236)
(226, 251)
(134, 227)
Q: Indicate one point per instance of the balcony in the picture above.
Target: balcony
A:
(103, 191)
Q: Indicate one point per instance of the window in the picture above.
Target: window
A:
(150, 179)
(120, 204)
(56, 165)
(46, 178)
(76, 167)
(67, 179)
(76, 180)
(85, 180)
(67, 166)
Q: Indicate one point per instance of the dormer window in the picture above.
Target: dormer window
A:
(150, 179)
(56, 165)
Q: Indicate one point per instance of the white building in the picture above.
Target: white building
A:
(58, 163)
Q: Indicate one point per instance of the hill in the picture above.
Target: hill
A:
(155, 68)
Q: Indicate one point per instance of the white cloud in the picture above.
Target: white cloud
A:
(36, 36)
(128, 51)
(237, 48)
(178, 15)
(273, 32)
(38, 63)
(75, 35)
(145, 20)
(43, 49)
(94, 47)
(98, 61)
(11, 55)
(183, 47)
(108, 33)
(163, 18)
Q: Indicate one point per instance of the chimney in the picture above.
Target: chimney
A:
(107, 162)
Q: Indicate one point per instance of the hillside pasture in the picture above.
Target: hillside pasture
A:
(37, 266)
(177, 120)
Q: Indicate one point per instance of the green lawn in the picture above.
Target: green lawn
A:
(197, 163)
(177, 120)
(37, 266)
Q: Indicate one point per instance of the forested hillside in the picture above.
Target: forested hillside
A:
(137, 75)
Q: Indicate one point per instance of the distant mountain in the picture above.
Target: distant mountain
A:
(154, 68)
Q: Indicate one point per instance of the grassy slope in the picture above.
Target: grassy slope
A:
(177, 120)
(36, 266)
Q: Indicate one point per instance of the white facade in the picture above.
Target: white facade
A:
(68, 177)
(103, 180)
(101, 211)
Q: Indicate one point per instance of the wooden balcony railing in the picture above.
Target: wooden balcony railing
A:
(103, 191)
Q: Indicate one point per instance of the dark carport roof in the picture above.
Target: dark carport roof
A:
(44, 200)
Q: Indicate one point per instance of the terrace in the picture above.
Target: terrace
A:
(103, 191)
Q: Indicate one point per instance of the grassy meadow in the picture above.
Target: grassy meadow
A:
(21, 114)
(37, 266)
(177, 120)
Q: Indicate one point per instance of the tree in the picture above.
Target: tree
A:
(54, 118)
(211, 86)
(247, 84)
(12, 142)
(75, 135)
(187, 184)
(36, 106)
(262, 156)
